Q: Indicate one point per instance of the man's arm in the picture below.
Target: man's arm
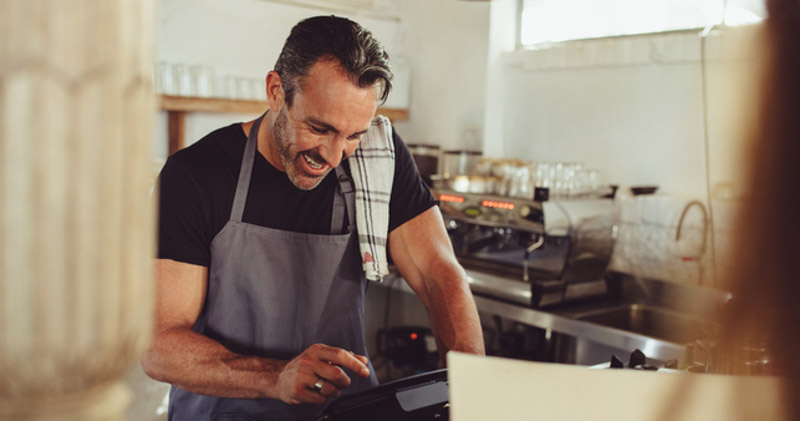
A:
(198, 364)
(422, 252)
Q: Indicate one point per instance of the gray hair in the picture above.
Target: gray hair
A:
(330, 37)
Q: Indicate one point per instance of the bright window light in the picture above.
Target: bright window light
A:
(543, 21)
(743, 12)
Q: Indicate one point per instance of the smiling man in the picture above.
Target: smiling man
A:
(305, 143)
(261, 279)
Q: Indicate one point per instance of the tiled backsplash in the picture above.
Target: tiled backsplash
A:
(647, 244)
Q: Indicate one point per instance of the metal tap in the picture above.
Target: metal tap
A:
(705, 223)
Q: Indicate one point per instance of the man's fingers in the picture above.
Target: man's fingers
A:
(361, 358)
(311, 396)
(329, 390)
(321, 365)
(342, 357)
(303, 392)
(334, 374)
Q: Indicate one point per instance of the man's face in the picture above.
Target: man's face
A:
(329, 116)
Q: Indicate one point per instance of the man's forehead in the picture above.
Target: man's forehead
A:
(322, 118)
(327, 97)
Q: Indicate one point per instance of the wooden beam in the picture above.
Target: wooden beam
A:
(176, 130)
(212, 105)
(393, 114)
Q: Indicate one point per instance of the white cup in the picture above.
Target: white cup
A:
(168, 83)
(187, 84)
(203, 80)
(243, 90)
(261, 88)
(226, 87)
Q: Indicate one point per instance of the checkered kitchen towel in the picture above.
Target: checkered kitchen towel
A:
(372, 168)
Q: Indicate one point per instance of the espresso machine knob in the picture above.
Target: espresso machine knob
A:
(452, 225)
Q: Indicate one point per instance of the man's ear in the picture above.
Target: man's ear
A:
(275, 94)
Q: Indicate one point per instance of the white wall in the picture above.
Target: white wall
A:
(445, 43)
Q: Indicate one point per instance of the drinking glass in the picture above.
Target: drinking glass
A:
(187, 84)
(167, 80)
(203, 80)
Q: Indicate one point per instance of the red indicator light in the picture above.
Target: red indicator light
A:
(497, 204)
(414, 336)
(451, 198)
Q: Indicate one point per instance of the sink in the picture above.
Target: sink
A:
(654, 316)
(649, 321)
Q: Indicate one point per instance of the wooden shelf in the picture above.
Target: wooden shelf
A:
(211, 105)
(177, 107)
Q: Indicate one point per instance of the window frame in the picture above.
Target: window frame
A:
(520, 46)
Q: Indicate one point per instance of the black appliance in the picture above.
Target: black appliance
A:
(420, 398)
(412, 348)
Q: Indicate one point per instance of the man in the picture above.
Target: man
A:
(260, 281)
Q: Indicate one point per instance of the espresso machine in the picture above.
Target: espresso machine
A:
(535, 251)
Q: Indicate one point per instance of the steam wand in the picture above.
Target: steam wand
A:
(528, 251)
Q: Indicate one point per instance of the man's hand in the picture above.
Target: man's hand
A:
(319, 362)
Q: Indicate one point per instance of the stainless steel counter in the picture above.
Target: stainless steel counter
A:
(649, 315)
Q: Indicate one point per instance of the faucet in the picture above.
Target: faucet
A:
(705, 222)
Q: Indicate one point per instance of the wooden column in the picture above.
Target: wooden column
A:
(76, 222)
(176, 130)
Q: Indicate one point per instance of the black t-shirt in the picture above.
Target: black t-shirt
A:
(197, 185)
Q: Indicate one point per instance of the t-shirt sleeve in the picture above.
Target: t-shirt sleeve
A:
(410, 195)
(182, 233)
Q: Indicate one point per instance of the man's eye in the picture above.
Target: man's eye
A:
(318, 130)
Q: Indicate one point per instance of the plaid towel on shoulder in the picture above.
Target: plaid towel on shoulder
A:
(372, 168)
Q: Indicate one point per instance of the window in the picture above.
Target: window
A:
(543, 21)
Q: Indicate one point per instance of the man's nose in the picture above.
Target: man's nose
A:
(333, 150)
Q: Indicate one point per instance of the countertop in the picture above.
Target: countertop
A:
(566, 318)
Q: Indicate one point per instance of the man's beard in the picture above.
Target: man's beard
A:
(289, 156)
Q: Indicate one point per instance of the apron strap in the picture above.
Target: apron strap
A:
(343, 201)
(243, 185)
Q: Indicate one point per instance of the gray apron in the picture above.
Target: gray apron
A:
(273, 293)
